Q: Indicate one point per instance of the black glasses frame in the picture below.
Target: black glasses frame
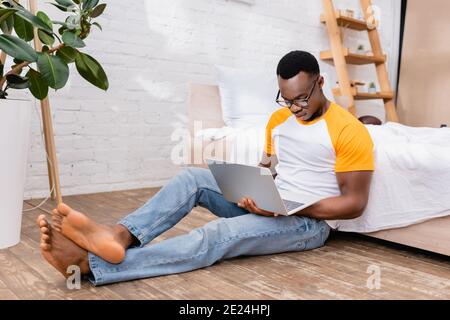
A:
(298, 102)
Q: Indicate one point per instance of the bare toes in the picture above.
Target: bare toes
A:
(45, 238)
(45, 246)
(43, 224)
(63, 209)
(40, 219)
(56, 220)
(57, 217)
(45, 230)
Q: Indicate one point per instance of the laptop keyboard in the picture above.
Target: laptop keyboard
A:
(291, 205)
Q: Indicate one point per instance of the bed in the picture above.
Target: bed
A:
(205, 108)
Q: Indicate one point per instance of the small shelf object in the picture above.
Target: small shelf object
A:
(361, 49)
(341, 56)
(353, 58)
(348, 22)
(372, 88)
(358, 95)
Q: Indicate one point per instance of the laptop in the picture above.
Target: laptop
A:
(238, 180)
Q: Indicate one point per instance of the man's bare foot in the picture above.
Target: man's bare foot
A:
(59, 251)
(109, 243)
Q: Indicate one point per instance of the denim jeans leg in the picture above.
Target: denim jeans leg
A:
(192, 187)
(223, 238)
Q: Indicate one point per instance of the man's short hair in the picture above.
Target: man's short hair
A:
(295, 62)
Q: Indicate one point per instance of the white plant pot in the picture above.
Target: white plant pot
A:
(14, 141)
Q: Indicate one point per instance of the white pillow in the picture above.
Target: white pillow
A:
(247, 97)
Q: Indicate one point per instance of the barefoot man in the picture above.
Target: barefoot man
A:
(322, 150)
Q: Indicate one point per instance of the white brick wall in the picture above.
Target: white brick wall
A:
(151, 50)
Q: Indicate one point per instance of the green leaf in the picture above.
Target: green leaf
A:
(7, 20)
(5, 5)
(54, 70)
(45, 19)
(59, 22)
(66, 3)
(17, 82)
(62, 30)
(16, 79)
(5, 13)
(13, 4)
(35, 21)
(7, 25)
(46, 38)
(38, 85)
(60, 7)
(73, 22)
(17, 48)
(68, 54)
(98, 10)
(89, 4)
(23, 28)
(91, 70)
(98, 25)
(71, 39)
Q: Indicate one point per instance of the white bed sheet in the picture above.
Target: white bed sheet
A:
(411, 182)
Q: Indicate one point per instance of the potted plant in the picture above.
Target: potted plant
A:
(372, 88)
(37, 72)
(361, 49)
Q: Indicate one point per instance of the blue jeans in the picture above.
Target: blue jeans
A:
(237, 232)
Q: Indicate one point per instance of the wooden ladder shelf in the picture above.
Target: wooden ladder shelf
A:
(340, 56)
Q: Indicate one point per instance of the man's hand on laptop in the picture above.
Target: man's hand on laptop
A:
(250, 205)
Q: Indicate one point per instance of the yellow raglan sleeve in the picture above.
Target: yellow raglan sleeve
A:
(268, 144)
(277, 118)
(354, 149)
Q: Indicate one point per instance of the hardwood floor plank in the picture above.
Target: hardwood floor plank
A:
(6, 294)
(336, 271)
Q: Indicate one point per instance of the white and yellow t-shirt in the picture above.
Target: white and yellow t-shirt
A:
(310, 153)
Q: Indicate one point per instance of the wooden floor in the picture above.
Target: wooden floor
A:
(336, 271)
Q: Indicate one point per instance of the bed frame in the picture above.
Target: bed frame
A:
(204, 107)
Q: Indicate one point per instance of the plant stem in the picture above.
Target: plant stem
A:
(16, 69)
(59, 39)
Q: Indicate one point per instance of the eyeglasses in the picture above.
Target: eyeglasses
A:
(298, 102)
